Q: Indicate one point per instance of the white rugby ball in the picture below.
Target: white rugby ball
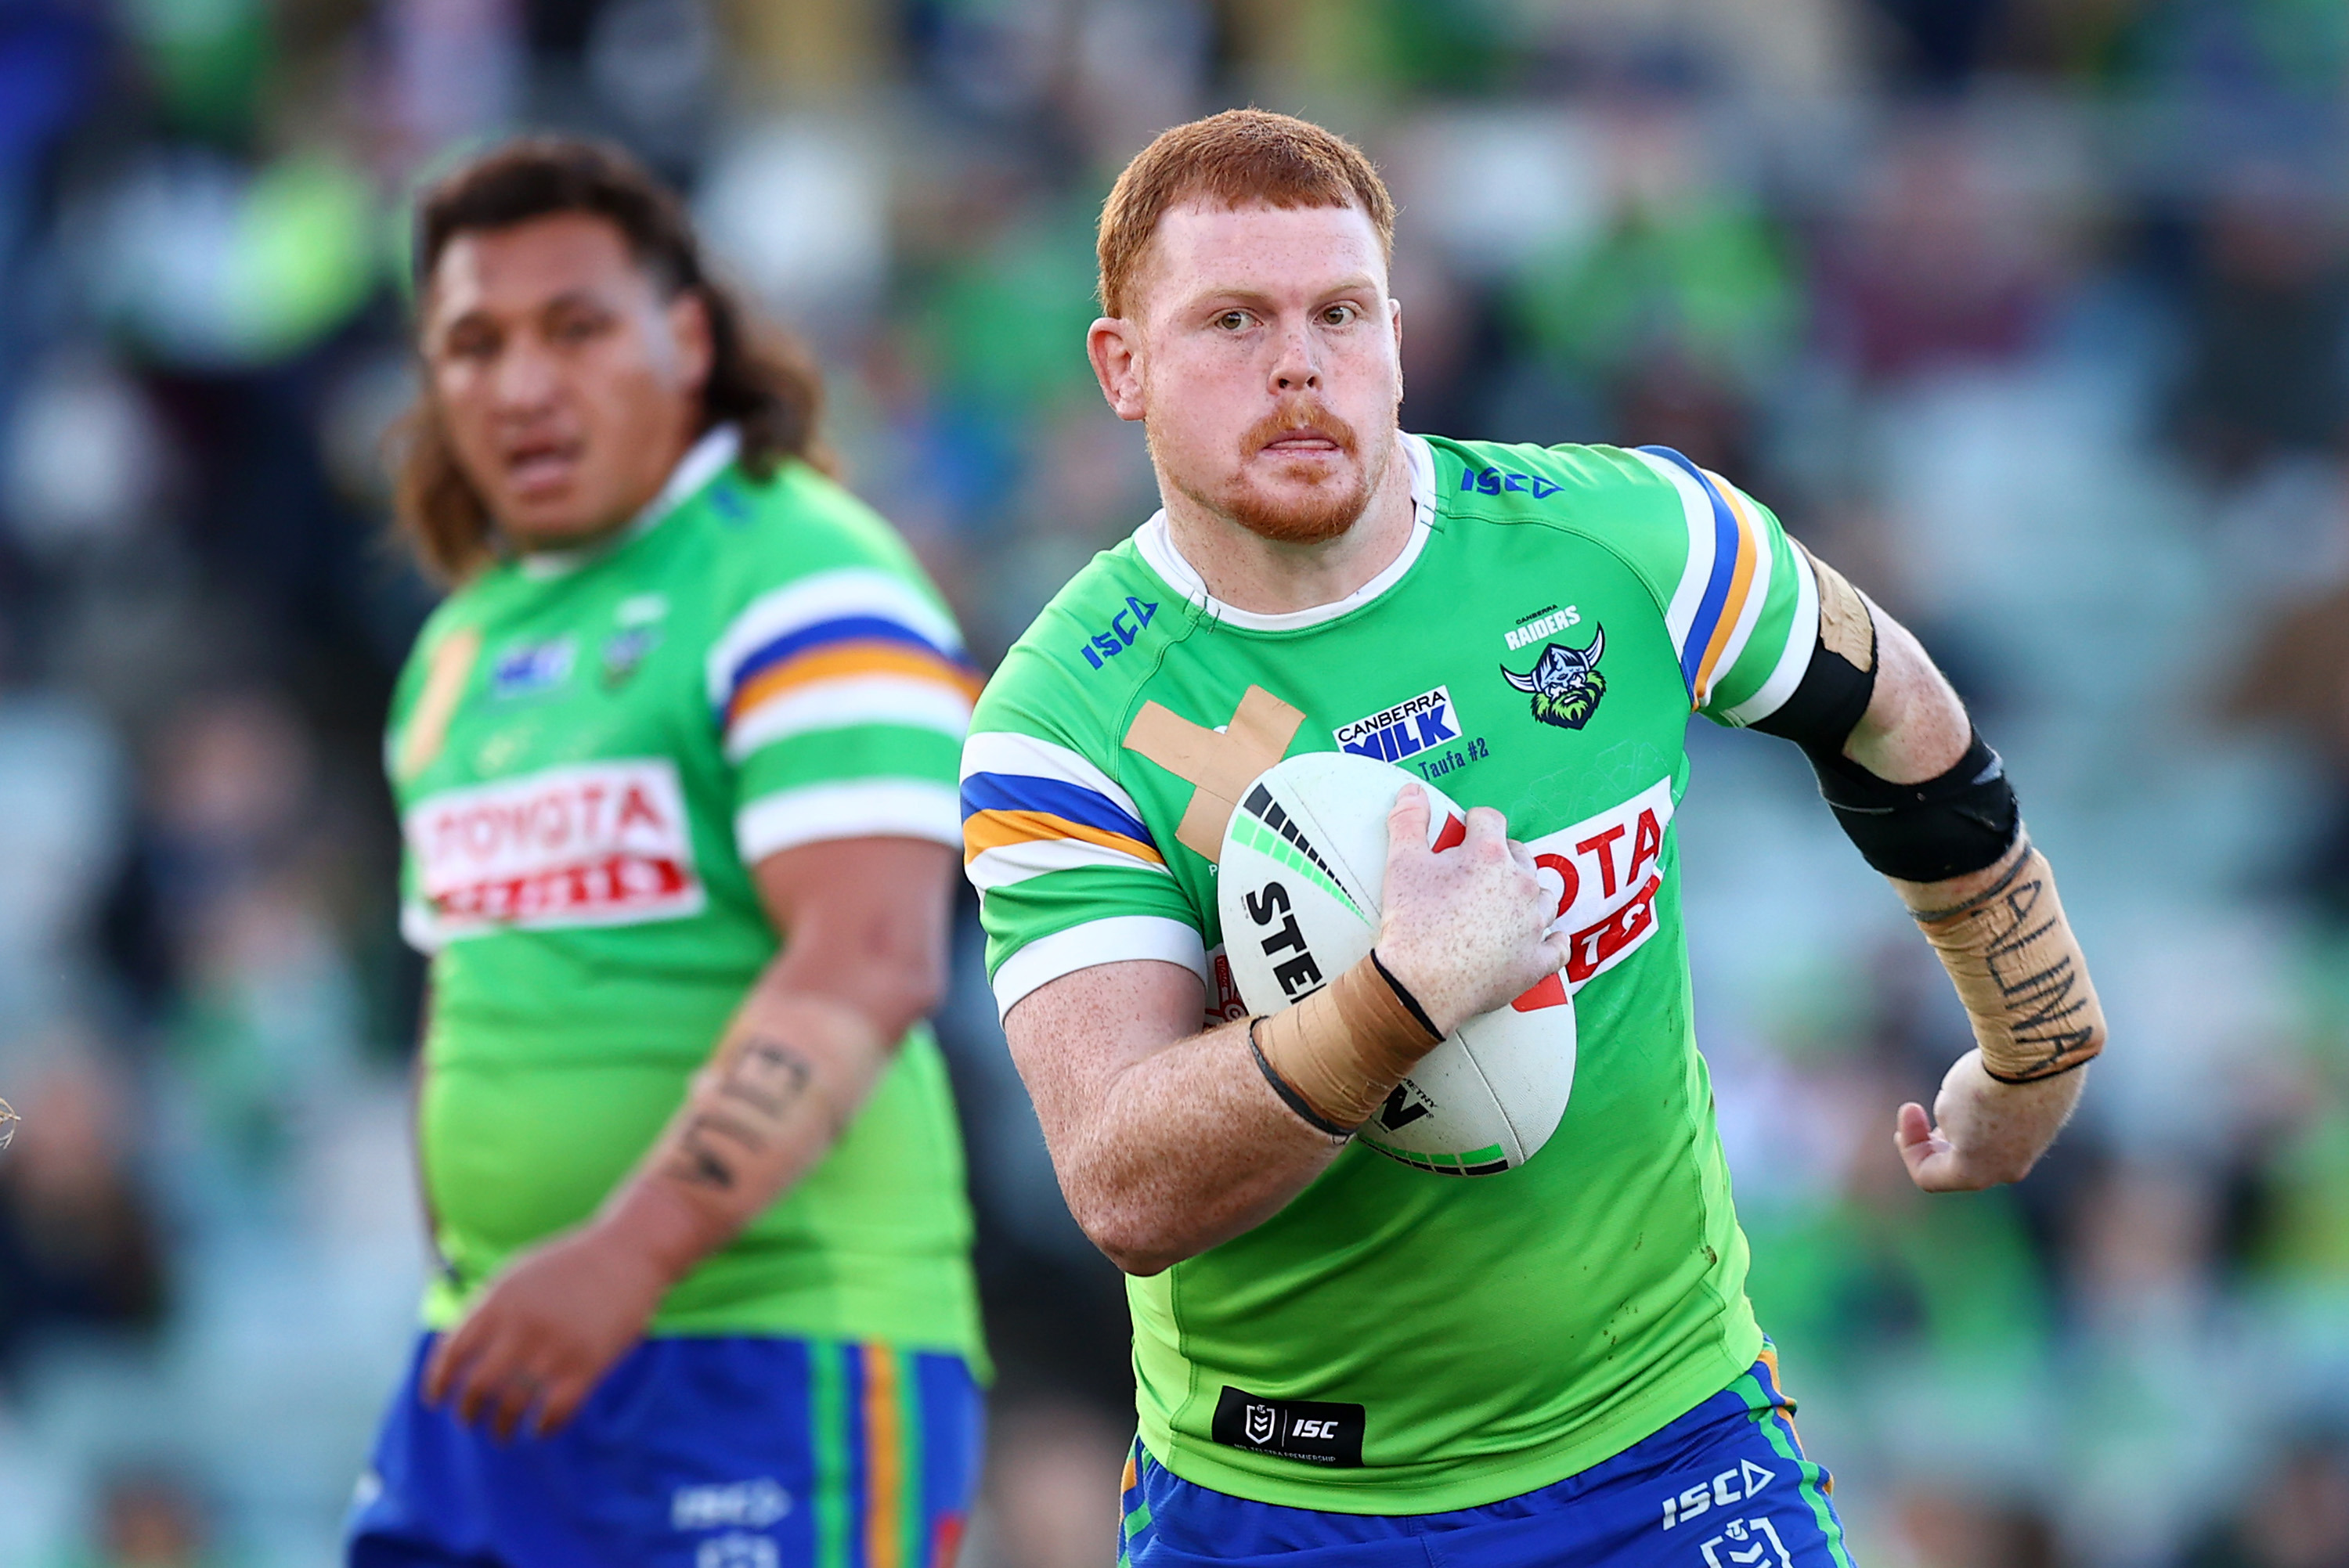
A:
(1304, 863)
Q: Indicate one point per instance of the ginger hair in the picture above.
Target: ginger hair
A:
(1240, 158)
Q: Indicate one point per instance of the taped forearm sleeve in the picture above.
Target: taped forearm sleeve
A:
(2020, 972)
(1335, 1056)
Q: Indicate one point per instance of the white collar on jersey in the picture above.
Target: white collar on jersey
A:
(700, 464)
(1156, 543)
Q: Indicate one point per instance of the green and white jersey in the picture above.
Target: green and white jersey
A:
(591, 751)
(1538, 648)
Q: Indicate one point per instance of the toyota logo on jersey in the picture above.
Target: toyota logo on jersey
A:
(595, 843)
(1610, 866)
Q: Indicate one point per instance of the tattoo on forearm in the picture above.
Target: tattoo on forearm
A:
(761, 1086)
(767, 1076)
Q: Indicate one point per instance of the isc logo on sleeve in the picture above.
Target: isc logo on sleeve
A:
(595, 843)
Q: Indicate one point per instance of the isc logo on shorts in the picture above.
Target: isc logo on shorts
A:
(595, 843)
(753, 1504)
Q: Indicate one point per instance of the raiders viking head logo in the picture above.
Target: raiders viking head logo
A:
(1262, 1423)
(1564, 682)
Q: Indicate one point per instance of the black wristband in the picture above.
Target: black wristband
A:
(2071, 1067)
(1403, 995)
(1289, 1096)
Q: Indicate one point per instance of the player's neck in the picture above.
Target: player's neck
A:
(1248, 571)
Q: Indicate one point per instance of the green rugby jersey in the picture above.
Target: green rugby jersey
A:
(1538, 648)
(590, 750)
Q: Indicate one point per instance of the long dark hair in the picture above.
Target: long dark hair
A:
(762, 380)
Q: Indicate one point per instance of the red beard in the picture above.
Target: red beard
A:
(1323, 513)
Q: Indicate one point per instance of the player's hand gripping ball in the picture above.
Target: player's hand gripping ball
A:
(1299, 888)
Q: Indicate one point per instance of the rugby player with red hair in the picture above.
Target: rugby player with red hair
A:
(1341, 1359)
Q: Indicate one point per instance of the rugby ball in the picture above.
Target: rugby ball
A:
(1298, 889)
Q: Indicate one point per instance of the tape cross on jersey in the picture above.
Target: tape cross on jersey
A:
(1221, 765)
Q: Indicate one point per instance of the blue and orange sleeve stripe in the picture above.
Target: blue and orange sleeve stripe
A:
(1000, 809)
(846, 645)
(1737, 547)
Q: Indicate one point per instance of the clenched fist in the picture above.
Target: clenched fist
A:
(1467, 930)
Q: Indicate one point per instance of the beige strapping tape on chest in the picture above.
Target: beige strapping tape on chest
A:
(1218, 766)
(444, 687)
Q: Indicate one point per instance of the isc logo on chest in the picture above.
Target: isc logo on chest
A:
(596, 844)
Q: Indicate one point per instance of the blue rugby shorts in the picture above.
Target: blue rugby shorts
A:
(748, 1452)
(1725, 1486)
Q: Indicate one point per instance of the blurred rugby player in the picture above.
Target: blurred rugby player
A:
(676, 765)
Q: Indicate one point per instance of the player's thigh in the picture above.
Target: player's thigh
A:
(747, 1452)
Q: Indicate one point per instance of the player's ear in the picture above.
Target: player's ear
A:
(1112, 343)
(689, 329)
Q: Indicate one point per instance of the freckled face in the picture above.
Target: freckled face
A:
(1270, 364)
(568, 384)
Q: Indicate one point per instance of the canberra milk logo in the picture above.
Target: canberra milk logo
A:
(532, 667)
(1541, 623)
(1392, 734)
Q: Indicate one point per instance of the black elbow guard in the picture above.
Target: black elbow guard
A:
(1945, 827)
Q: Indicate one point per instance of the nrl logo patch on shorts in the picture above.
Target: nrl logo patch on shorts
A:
(1407, 728)
(1317, 1431)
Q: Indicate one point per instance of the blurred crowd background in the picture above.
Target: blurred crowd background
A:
(2031, 314)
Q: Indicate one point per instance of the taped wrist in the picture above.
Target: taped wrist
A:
(2019, 970)
(1962, 821)
(1336, 1055)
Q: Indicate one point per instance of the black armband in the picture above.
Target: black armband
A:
(1828, 704)
(1945, 827)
